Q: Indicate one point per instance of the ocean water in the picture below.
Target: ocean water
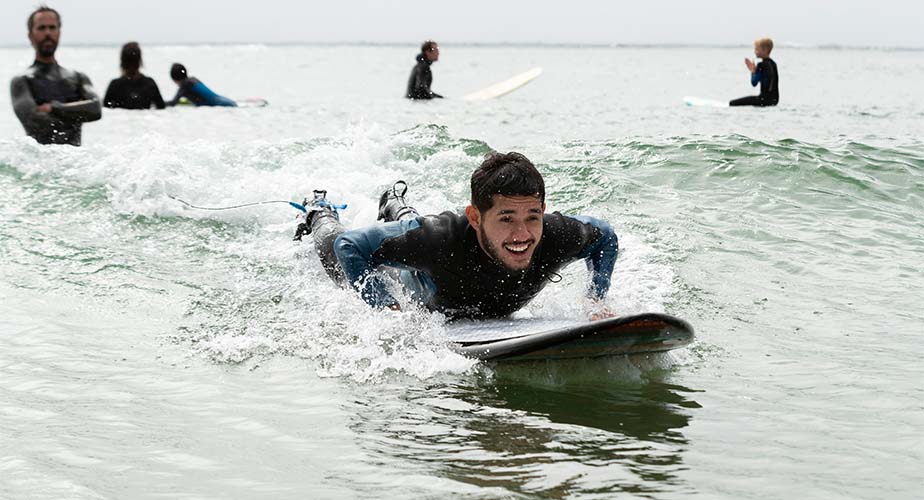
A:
(148, 350)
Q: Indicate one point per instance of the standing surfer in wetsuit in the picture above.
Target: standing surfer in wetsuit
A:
(132, 90)
(418, 85)
(486, 263)
(764, 73)
(194, 90)
(52, 102)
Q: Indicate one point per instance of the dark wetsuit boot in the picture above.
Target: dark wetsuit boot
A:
(392, 206)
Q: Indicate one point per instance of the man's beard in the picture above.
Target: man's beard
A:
(494, 254)
(47, 49)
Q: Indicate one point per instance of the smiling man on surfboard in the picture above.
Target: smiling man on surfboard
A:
(486, 263)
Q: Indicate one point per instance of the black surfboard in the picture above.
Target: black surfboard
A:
(512, 340)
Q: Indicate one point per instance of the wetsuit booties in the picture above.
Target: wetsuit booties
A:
(392, 205)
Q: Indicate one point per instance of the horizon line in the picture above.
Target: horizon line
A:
(787, 45)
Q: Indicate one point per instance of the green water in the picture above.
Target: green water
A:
(149, 351)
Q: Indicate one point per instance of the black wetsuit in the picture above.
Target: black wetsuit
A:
(445, 269)
(137, 92)
(200, 95)
(769, 78)
(72, 98)
(418, 85)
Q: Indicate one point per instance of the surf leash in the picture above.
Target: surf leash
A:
(297, 206)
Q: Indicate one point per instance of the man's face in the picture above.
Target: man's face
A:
(434, 53)
(510, 230)
(45, 33)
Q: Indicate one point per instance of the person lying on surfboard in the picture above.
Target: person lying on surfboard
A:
(194, 91)
(488, 262)
(764, 73)
(418, 85)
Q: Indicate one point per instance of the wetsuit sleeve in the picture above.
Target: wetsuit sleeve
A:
(181, 92)
(88, 109)
(600, 255)
(107, 99)
(24, 104)
(758, 73)
(359, 255)
(155, 95)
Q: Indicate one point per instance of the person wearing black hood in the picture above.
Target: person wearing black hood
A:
(418, 85)
(52, 102)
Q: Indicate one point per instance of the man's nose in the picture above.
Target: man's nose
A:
(520, 232)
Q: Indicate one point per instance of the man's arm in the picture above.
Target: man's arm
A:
(88, 109)
(24, 104)
(359, 256)
(600, 255)
(757, 73)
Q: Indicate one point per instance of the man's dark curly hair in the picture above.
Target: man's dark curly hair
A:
(507, 174)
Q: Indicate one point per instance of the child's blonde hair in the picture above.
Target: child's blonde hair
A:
(764, 43)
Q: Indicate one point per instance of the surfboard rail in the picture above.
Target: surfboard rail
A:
(649, 332)
(505, 87)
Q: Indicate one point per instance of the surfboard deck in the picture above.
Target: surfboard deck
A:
(505, 87)
(530, 340)
(710, 103)
(250, 102)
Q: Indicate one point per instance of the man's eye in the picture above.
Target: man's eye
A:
(506, 219)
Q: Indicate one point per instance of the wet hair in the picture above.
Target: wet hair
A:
(131, 58)
(506, 174)
(41, 8)
(427, 46)
(178, 71)
(764, 43)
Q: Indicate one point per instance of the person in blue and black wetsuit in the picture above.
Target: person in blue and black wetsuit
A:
(764, 73)
(194, 90)
(487, 262)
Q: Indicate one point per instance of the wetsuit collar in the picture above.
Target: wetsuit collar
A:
(423, 58)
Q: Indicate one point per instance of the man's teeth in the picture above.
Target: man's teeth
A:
(517, 248)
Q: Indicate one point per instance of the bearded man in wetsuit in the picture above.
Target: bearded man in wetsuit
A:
(418, 85)
(488, 262)
(764, 73)
(52, 102)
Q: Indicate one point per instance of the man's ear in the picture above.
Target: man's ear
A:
(473, 215)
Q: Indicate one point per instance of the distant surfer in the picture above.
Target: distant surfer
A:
(52, 102)
(132, 90)
(194, 91)
(418, 85)
(488, 262)
(764, 73)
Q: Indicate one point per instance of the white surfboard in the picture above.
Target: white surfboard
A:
(505, 87)
(698, 101)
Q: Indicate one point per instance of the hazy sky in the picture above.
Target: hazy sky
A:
(849, 22)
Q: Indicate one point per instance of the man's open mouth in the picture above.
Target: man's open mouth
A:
(517, 248)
